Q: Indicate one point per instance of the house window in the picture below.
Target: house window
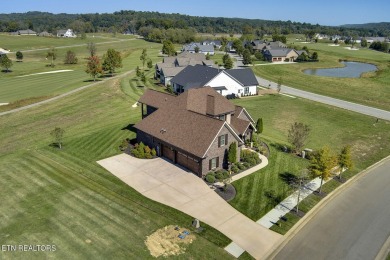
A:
(239, 91)
(246, 90)
(222, 140)
(214, 163)
(222, 117)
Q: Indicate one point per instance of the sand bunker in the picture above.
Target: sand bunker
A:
(351, 49)
(48, 72)
(333, 44)
(166, 242)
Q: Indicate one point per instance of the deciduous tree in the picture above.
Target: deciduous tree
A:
(297, 136)
(345, 159)
(112, 60)
(143, 57)
(58, 134)
(94, 67)
(227, 61)
(5, 62)
(150, 64)
(246, 57)
(70, 57)
(19, 56)
(52, 56)
(321, 164)
(92, 49)
(168, 48)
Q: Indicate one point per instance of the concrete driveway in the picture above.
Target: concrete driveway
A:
(168, 184)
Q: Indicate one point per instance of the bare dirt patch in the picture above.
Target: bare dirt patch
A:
(166, 241)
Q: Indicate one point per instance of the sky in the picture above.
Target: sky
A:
(325, 12)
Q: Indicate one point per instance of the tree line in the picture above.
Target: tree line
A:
(133, 21)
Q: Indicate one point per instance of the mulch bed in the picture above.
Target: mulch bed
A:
(299, 213)
(227, 195)
(322, 194)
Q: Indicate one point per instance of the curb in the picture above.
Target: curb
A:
(314, 211)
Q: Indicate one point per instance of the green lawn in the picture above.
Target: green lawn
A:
(13, 87)
(329, 126)
(371, 89)
(63, 197)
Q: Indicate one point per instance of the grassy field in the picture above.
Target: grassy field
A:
(371, 89)
(329, 126)
(63, 197)
(21, 85)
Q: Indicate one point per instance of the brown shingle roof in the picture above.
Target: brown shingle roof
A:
(182, 121)
(156, 99)
(181, 128)
(197, 99)
(239, 125)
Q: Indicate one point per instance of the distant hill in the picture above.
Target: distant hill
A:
(377, 26)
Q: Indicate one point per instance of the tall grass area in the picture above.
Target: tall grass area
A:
(63, 197)
(329, 126)
(371, 89)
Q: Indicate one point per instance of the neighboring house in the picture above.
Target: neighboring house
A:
(66, 33)
(194, 129)
(181, 60)
(238, 82)
(282, 54)
(25, 32)
(376, 39)
(45, 34)
(215, 43)
(301, 51)
(205, 49)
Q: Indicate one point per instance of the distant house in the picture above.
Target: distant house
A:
(215, 43)
(68, 33)
(171, 66)
(282, 54)
(45, 34)
(25, 32)
(198, 47)
(376, 39)
(238, 82)
(194, 129)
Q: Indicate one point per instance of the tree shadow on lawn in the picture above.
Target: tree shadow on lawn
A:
(288, 177)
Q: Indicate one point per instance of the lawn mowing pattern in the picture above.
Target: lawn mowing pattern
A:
(251, 200)
(65, 198)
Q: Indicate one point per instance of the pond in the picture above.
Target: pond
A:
(351, 70)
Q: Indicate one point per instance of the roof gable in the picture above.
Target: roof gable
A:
(245, 77)
(195, 76)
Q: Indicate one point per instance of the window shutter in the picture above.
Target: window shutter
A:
(210, 164)
(217, 164)
(219, 141)
(226, 139)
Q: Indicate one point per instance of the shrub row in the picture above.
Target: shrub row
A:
(219, 175)
(143, 151)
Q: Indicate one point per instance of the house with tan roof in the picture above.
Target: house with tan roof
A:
(282, 54)
(171, 66)
(194, 129)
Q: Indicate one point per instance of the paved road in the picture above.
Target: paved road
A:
(353, 225)
(375, 112)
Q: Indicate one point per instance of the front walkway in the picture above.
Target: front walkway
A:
(168, 184)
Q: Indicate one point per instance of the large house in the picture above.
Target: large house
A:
(197, 47)
(282, 54)
(194, 129)
(66, 33)
(25, 32)
(171, 66)
(238, 82)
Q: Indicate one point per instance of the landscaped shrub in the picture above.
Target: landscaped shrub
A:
(210, 178)
(143, 151)
(124, 144)
(235, 168)
(250, 157)
(246, 165)
(219, 175)
(241, 166)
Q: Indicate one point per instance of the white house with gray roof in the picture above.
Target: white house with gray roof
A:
(237, 82)
(205, 49)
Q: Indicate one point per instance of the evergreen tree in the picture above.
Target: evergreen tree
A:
(5, 62)
(259, 125)
(232, 153)
(19, 56)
